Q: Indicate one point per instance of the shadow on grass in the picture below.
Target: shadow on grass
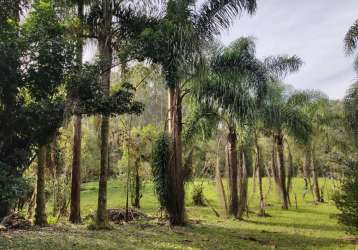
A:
(145, 235)
(318, 227)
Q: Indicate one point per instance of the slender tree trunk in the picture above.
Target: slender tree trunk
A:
(289, 175)
(40, 211)
(177, 215)
(137, 184)
(220, 186)
(282, 171)
(259, 167)
(105, 51)
(316, 187)
(232, 167)
(75, 211)
(243, 184)
(306, 170)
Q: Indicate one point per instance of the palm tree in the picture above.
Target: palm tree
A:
(351, 109)
(282, 115)
(276, 68)
(316, 105)
(351, 98)
(176, 42)
(351, 41)
(234, 86)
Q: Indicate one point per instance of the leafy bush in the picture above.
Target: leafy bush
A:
(347, 198)
(160, 168)
(12, 187)
(198, 195)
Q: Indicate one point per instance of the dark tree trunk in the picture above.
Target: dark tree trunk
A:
(137, 185)
(259, 167)
(243, 185)
(316, 188)
(105, 51)
(75, 213)
(232, 167)
(177, 214)
(282, 170)
(75, 210)
(40, 211)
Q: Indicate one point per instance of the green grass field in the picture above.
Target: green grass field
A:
(309, 226)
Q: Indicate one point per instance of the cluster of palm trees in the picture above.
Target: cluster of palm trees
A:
(229, 85)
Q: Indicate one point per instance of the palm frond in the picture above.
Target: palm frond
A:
(351, 38)
(216, 15)
(351, 108)
(280, 66)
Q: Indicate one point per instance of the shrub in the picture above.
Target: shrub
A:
(346, 199)
(198, 195)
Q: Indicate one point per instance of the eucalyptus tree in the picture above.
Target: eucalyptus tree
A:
(234, 86)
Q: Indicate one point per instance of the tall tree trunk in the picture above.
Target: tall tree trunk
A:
(259, 167)
(316, 188)
(75, 211)
(232, 167)
(176, 215)
(289, 174)
(306, 170)
(105, 51)
(282, 170)
(137, 184)
(40, 211)
(243, 184)
(220, 186)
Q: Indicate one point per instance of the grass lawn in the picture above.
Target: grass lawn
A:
(309, 226)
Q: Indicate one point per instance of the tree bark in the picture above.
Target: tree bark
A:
(75, 211)
(282, 170)
(316, 187)
(220, 186)
(40, 211)
(177, 214)
(105, 51)
(232, 167)
(137, 184)
(259, 167)
(243, 185)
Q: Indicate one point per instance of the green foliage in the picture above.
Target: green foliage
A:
(351, 109)
(198, 195)
(160, 170)
(346, 199)
(12, 187)
(91, 100)
(351, 38)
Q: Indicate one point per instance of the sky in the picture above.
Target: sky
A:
(311, 29)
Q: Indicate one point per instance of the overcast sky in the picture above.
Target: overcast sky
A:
(313, 30)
